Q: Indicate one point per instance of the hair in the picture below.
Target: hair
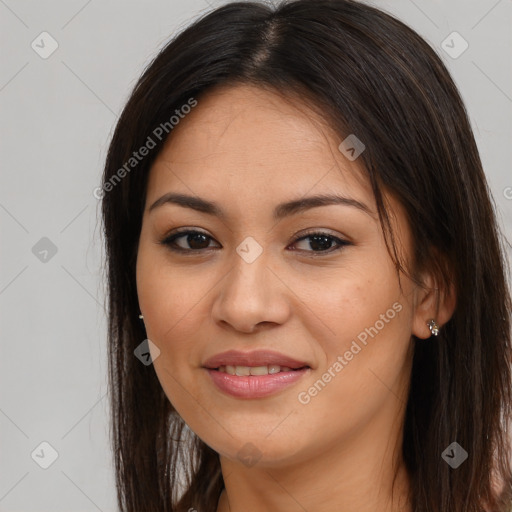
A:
(366, 73)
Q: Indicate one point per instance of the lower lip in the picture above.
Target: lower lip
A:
(255, 386)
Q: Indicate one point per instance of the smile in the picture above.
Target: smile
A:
(260, 382)
(255, 370)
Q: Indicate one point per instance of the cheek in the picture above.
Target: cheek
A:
(366, 339)
(354, 300)
(171, 301)
(169, 294)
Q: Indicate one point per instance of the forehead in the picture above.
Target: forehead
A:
(245, 141)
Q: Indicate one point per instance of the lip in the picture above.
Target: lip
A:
(255, 386)
(254, 358)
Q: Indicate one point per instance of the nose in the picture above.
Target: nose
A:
(251, 296)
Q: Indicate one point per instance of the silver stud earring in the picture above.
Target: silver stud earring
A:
(434, 328)
(141, 317)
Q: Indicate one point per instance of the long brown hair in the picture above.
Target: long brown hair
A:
(367, 73)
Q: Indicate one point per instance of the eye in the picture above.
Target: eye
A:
(322, 242)
(196, 241)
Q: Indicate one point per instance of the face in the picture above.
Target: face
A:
(312, 283)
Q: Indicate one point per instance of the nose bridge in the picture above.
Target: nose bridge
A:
(250, 293)
(249, 273)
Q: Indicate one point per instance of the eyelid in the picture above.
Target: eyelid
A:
(171, 236)
(341, 241)
(322, 231)
(174, 234)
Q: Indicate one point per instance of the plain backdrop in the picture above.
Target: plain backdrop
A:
(57, 115)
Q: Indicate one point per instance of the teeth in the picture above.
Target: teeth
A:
(242, 370)
(259, 370)
(254, 370)
(229, 369)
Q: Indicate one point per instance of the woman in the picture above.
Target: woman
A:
(301, 241)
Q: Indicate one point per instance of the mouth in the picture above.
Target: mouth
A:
(257, 362)
(244, 371)
(254, 382)
(256, 374)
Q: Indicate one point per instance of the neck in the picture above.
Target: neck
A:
(354, 476)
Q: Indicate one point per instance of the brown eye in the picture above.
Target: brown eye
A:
(190, 241)
(321, 243)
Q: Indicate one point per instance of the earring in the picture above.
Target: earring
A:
(434, 328)
(141, 317)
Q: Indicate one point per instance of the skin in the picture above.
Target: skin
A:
(248, 150)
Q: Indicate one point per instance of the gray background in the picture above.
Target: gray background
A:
(57, 118)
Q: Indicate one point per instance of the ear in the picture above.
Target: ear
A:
(434, 301)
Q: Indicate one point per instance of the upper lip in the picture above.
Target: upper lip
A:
(255, 358)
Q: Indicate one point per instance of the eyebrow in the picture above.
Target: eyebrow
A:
(280, 211)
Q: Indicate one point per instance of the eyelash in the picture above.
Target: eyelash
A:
(170, 239)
